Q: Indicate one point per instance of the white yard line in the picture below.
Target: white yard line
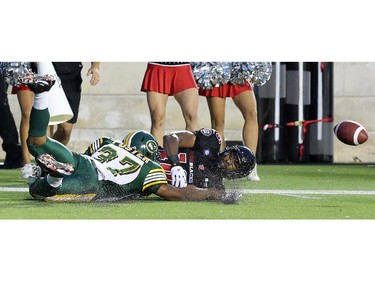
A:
(260, 191)
(308, 192)
(16, 189)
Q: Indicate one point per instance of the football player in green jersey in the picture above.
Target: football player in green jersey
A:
(113, 171)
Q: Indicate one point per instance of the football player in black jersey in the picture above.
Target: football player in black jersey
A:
(195, 158)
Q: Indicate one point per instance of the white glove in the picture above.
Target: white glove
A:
(178, 176)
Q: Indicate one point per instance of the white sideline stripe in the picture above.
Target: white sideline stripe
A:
(260, 191)
(308, 192)
(16, 189)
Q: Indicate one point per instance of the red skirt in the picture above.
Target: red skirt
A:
(21, 87)
(226, 90)
(168, 79)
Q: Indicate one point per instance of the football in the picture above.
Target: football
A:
(350, 132)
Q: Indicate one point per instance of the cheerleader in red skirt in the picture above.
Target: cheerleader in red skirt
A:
(164, 79)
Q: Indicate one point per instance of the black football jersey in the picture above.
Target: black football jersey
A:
(201, 161)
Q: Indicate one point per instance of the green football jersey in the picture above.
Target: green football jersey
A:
(124, 171)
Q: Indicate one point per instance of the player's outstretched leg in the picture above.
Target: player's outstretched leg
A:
(38, 142)
(60, 161)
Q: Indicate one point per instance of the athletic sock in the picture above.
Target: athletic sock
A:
(41, 101)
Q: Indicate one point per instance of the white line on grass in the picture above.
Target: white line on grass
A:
(16, 189)
(308, 192)
(260, 191)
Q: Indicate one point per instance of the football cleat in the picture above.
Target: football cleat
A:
(54, 167)
(38, 83)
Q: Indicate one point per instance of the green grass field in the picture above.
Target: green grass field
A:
(284, 192)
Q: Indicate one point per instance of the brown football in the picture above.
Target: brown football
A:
(350, 132)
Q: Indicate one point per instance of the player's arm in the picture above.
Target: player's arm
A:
(172, 142)
(189, 193)
(181, 139)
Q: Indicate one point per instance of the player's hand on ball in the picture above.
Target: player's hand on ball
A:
(178, 176)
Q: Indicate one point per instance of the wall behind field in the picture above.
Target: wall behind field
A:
(354, 99)
(116, 106)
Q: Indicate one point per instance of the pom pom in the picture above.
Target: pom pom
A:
(220, 73)
(14, 71)
(213, 74)
(262, 73)
(237, 76)
(201, 73)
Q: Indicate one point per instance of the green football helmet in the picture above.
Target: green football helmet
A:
(145, 143)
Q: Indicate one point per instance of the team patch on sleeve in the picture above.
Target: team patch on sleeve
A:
(206, 132)
(96, 145)
(156, 176)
